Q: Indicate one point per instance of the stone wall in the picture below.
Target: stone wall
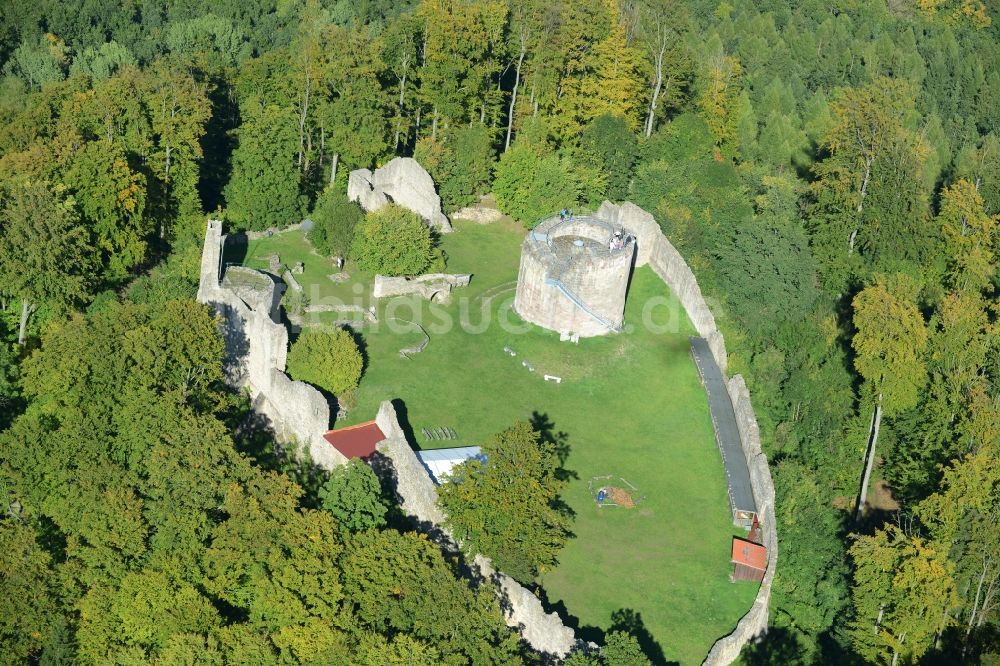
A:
(257, 344)
(659, 253)
(435, 286)
(402, 181)
(654, 249)
(754, 623)
(523, 611)
(256, 351)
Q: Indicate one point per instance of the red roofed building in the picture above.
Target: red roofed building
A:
(749, 560)
(357, 441)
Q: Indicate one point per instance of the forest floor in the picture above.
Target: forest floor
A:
(629, 405)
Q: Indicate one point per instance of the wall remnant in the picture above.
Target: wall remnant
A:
(436, 286)
(256, 352)
(257, 346)
(366, 313)
(654, 249)
(659, 253)
(404, 182)
(257, 289)
(523, 611)
(479, 214)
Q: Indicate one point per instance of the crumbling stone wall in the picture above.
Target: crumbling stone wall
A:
(256, 349)
(654, 249)
(523, 611)
(435, 286)
(256, 352)
(754, 623)
(404, 182)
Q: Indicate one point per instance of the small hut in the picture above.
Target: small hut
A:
(749, 560)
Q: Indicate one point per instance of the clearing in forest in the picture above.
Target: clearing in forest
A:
(630, 404)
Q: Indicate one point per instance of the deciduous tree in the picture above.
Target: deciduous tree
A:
(610, 145)
(970, 236)
(29, 600)
(903, 591)
(964, 521)
(393, 241)
(353, 495)
(264, 188)
(506, 506)
(399, 583)
(870, 193)
(334, 221)
(889, 343)
(461, 164)
(39, 60)
(330, 359)
(112, 197)
(45, 254)
(532, 182)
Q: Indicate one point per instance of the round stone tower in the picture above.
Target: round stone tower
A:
(574, 275)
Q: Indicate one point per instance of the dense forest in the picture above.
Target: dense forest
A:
(829, 168)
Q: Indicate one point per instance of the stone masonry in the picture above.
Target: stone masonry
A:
(574, 275)
(257, 345)
(655, 250)
(404, 182)
(256, 351)
(432, 286)
(523, 611)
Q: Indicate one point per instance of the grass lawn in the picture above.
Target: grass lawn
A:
(292, 247)
(629, 405)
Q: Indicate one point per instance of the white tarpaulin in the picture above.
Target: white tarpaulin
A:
(439, 462)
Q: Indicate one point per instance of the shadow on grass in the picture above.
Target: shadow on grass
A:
(630, 622)
(624, 620)
(359, 340)
(548, 434)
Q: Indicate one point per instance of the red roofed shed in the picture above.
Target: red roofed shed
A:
(357, 441)
(749, 560)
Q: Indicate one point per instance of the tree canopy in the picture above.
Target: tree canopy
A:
(830, 172)
(507, 506)
(393, 241)
(329, 359)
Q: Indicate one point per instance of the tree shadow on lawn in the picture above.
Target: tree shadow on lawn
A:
(359, 340)
(630, 621)
(546, 429)
(548, 434)
(624, 619)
